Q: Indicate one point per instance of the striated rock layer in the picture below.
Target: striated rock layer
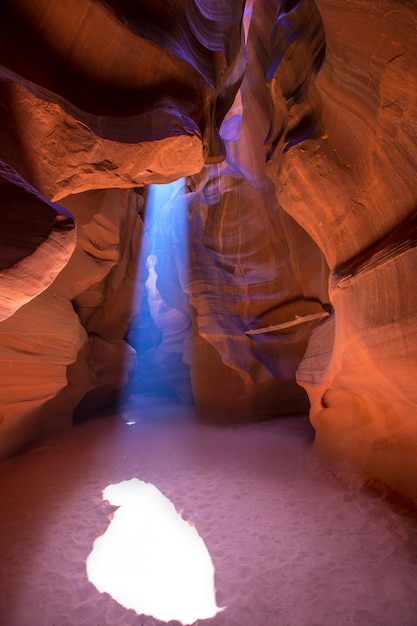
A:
(37, 239)
(243, 264)
(93, 97)
(99, 102)
(244, 273)
(347, 173)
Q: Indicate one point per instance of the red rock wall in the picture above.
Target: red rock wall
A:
(351, 182)
(118, 95)
(96, 97)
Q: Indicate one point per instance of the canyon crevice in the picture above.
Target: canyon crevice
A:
(294, 128)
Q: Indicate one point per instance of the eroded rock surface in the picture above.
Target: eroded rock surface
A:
(37, 239)
(351, 182)
(95, 97)
(98, 104)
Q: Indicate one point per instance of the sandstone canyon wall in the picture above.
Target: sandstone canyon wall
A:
(104, 96)
(295, 125)
(343, 161)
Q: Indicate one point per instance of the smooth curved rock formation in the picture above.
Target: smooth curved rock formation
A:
(37, 239)
(73, 156)
(351, 182)
(92, 98)
(100, 102)
(244, 274)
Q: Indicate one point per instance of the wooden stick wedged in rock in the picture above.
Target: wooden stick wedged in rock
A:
(299, 319)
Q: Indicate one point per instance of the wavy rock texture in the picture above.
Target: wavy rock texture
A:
(92, 98)
(347, 174)
(37, 239)
(64, 351)
(243, 273)
(113, 96)
(247, 265)
(251, 266)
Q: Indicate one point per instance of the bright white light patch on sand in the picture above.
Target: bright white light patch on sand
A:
(150, 559)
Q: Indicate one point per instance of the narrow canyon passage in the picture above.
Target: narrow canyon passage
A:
(292, 544)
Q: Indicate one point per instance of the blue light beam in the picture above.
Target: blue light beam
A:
(161, 329)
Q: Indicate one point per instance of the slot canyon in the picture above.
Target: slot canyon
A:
(213, 203)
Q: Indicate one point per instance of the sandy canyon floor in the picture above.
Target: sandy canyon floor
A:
(292, 544)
